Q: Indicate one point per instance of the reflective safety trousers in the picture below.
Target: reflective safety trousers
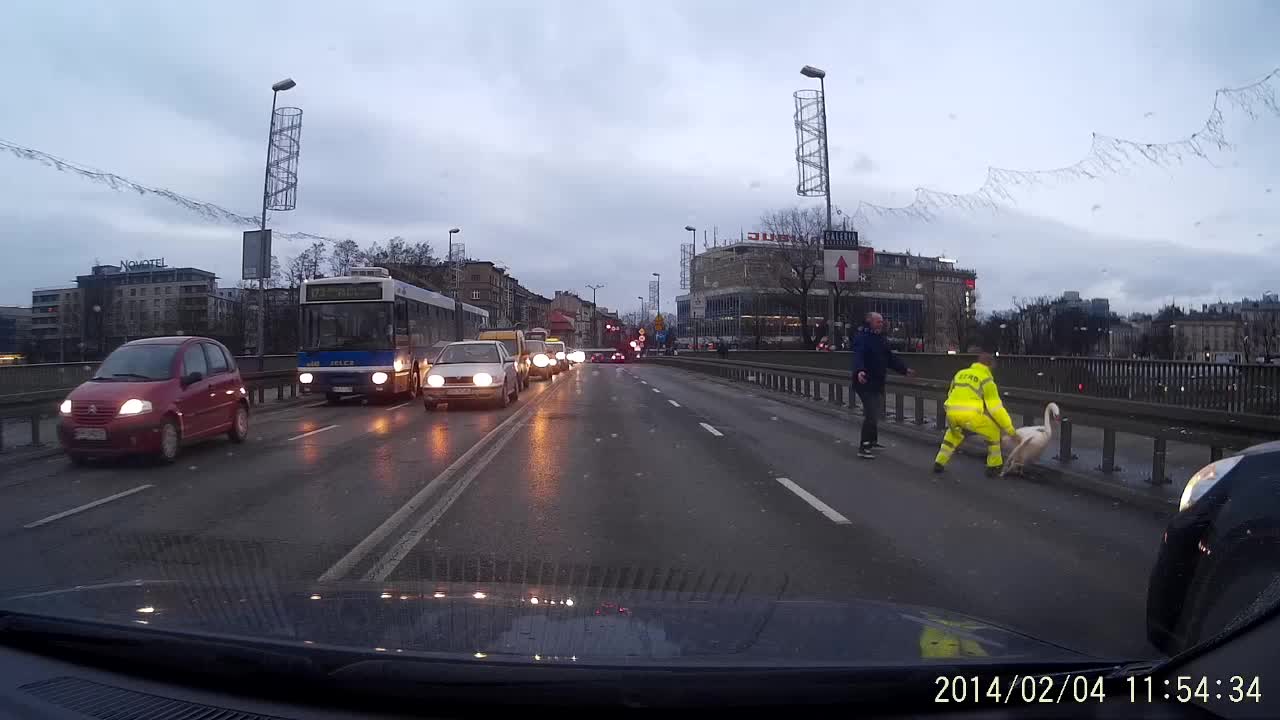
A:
(960, 422)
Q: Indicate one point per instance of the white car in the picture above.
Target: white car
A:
(472, 371)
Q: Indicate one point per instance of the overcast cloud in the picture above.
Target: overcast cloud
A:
(574, 141)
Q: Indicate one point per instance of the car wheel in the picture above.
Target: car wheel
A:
(170, 441)
(239, 431)
(413, 386)
(503, 398)
(515, 390)
(429, 406)
(78, 459)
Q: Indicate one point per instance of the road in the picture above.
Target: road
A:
(632, 474)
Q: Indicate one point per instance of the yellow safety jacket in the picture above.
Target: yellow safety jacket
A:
(973, 389)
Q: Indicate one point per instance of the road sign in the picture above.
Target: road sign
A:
(659, 322)
(255, 260)
(840, 265)
(840, 239)
(698, 307)
(661, 337)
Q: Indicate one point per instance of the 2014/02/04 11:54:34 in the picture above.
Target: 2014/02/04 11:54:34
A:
(1187, 688)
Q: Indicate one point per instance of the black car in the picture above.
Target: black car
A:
(1219, 560)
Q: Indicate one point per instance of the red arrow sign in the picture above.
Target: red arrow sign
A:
(841, 265)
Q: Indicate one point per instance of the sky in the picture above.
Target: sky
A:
(573, 141)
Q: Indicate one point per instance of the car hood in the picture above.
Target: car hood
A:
(529, 623)
(116, 392)
(463, 369)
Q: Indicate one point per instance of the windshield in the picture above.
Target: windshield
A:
(712, 317)
(347, 326)
(138, 363)
(478, 353)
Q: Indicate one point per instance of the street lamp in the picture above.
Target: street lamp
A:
(595, 312)
(276, 89)
(659, 293)
(457, 286)
(810, 71)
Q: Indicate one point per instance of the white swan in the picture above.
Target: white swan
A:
(1031, 442)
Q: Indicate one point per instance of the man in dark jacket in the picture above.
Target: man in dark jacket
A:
(872, 359)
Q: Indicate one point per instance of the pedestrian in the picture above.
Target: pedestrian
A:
(722, 349)
(872, 358)
(974, 406)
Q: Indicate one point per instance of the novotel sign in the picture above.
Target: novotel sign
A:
(137, 265)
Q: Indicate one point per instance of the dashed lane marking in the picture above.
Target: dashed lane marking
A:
(817, 504)
(711, 430)
(86, 506)
(674, 403)
(397, 407)
(317, 431)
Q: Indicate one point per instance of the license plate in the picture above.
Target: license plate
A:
(342, 389)
(91, 433)
(458, 391)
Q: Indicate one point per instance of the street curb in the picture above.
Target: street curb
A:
(1139, 497)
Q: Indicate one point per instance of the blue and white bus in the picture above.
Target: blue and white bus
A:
(370, 334)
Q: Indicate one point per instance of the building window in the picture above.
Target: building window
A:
(475, 294)
(133, 292)
(168, 290)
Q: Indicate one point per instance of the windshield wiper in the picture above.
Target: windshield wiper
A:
(132, 375)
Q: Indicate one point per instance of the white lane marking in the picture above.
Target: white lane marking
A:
(397, 407)
(86, 506)
(817, 504)
(398, 518)
(319, 404)
(657, 390)
(643, 382)
(711, 430)
(674, 403)
(326, 428)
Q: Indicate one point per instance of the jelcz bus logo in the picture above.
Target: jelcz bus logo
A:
(342, 362)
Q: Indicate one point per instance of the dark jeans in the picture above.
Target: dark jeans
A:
(872, 408)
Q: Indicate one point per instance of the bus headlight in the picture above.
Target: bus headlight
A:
(541, 360)
(379, 378)
(435, 380)
(306, 378)
(482, 379)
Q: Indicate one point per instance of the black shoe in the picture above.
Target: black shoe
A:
(993, 472)
(865, 453)
(938, 468)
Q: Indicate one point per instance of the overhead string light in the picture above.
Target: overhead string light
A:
(1107, 156)
(206, 210)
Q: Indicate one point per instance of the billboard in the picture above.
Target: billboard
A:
(255, 259)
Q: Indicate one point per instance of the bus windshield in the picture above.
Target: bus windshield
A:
(347, 326)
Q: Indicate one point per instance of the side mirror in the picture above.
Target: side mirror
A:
(192, 377)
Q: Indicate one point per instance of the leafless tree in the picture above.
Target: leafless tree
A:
(959, 319)
(798, 259)
(344, 256)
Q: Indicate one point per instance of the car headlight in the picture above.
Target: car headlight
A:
(134, 406)
(541, 360)
(482, 379)
(435, 380)
(65, 407)
(578, 356)
(1204, 480)
(379, 377)
(397, 365)
(306, 378)
(554, 362)
(559, 354)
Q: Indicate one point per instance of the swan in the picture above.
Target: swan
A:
(1031, 442)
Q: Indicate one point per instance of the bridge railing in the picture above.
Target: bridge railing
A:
(1216, 431)
(15, 379)
(1253, 389)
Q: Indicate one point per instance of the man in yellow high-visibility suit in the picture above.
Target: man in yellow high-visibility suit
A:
(973, 405)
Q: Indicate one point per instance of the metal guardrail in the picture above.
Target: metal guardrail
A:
(1211, 386)
(19, 379)
(35, 407)
(1216, 431)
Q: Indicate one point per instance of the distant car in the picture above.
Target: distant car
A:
(543, 362)
(559, 355)
(1218, 558)
(473, 371)
(618, 357)
(152, 396)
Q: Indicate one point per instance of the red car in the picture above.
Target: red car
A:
(152, 396)
(618, 357)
